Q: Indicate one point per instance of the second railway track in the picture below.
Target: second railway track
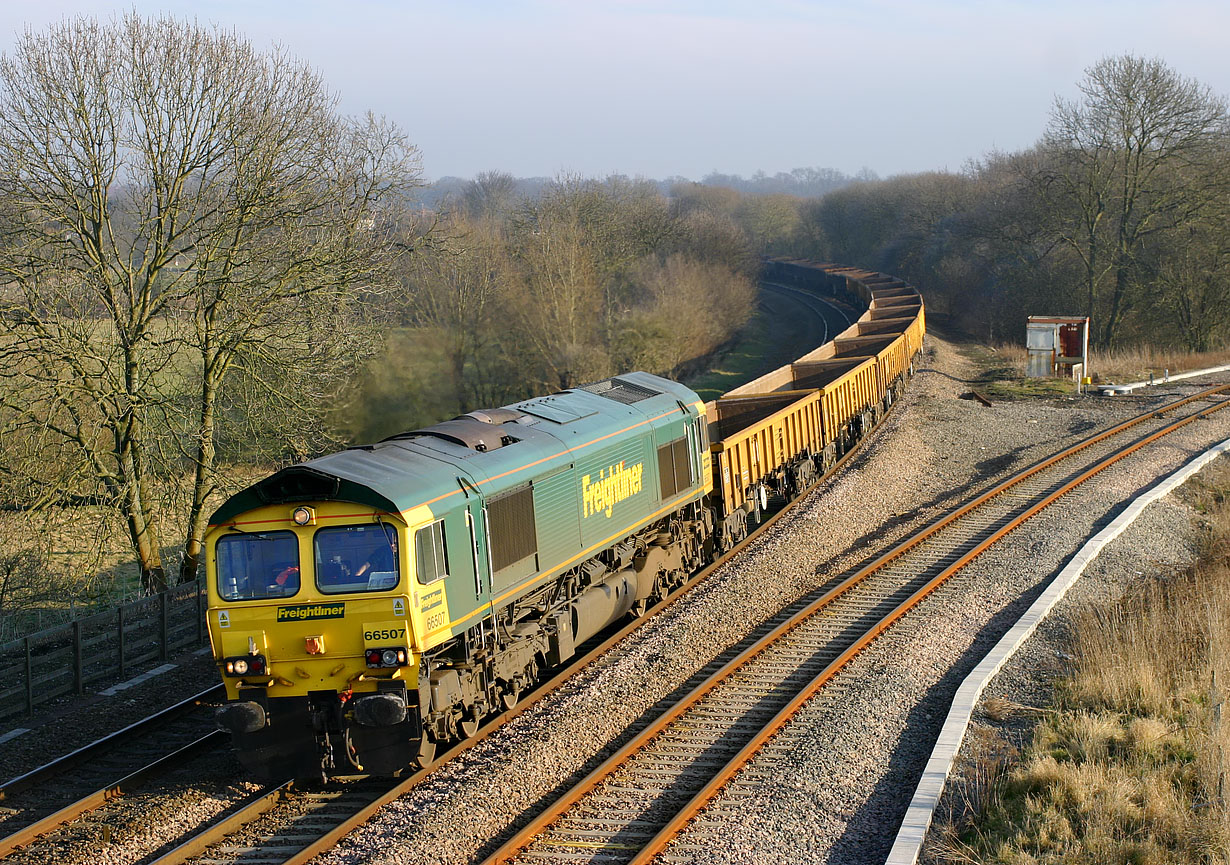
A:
(46, 798)
(631, 807)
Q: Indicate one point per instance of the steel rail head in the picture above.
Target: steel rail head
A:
(87, 752)
(249, 809)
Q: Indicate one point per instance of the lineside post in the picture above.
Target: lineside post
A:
(162, 625)
(78, 683)
(29, 679)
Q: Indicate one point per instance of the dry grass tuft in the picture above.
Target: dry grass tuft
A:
(1128, 364)
(998, 709)
(1131, 766)
(1136, 363)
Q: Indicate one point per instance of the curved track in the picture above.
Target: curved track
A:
(823, 309)
(631, 807)
(282, 824)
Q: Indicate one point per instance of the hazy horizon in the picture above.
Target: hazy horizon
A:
(538, 88)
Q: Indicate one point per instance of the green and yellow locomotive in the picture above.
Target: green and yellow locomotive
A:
(369, 604)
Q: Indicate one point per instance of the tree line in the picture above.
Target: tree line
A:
(201, 261)
(519, 296)
(1121, 211)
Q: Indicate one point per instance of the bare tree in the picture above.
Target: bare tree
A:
(1193, 286)
(1141, 152)
(559, 310)
(457, 291)
(171, 193)
(491, 194)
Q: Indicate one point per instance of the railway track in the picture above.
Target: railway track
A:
(292, 827)
(289, 826)
(282, 823)
(630, 808)
(818, 306)
(87, 779)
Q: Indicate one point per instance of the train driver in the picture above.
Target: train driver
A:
(381, 558)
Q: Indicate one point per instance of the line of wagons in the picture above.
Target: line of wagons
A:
(368, 605)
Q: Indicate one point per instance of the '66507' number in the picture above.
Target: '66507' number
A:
(383, 634)
(434, 621)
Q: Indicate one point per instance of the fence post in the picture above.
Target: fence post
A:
(162, 625)
(120, 615)
(78, 677)
(200, 613)
(29, 679)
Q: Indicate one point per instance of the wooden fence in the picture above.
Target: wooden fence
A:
(106, 646)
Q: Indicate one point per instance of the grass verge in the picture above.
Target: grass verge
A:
(1130, 764)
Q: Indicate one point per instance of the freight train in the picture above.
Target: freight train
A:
(370, 605)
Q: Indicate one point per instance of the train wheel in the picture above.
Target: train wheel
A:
(509, 698)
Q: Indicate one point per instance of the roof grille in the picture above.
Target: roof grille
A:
(466, 431)
(620, 390)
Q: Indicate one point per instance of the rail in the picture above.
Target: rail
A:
(61, 774)
(670, 770)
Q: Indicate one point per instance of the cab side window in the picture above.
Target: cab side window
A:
(430, 554)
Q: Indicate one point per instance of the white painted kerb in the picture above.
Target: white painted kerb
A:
(908, 844)
(1116, 389)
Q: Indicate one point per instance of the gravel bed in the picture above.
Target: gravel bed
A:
(1159, 541)
(67, 723)
(142, 824)
(836, 784)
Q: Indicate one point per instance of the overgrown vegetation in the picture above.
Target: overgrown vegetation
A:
(1130, 765)
(207, 273)
(1119, 212)
(517, 297)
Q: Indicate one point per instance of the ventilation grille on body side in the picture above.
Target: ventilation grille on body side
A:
(674, 468)
(513, 534)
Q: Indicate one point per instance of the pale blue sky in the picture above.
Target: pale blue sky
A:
(684, 87)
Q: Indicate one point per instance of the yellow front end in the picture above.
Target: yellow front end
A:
(312, 619)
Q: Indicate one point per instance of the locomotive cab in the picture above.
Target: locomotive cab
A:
(312, 620)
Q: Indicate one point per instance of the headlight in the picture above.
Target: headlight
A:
(241, 667)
